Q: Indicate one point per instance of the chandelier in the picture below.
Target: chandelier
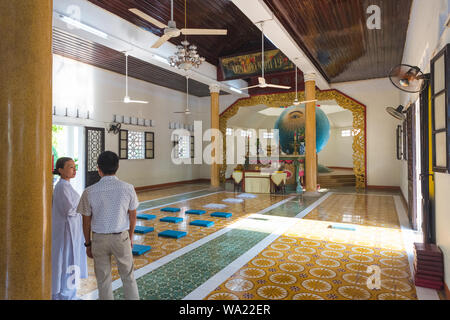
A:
(186, 57)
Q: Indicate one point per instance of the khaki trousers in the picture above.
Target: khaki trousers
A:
(118, 245)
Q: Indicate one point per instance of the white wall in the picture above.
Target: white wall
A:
(91, 88)
(442, 187)
(426, 37)
(377, 94)
(338, 152)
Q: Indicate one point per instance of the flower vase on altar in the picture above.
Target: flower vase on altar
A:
(300, 175)
(302, 148)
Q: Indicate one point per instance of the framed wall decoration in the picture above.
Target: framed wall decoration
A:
(405, 140)
(399, 144)
(248, 65)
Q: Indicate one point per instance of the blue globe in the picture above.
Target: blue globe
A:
(293, 120)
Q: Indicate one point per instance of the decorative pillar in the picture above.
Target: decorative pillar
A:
(310, 134)
(214, 90)
(25, 149)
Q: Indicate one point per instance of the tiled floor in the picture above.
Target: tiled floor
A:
(170, 191)
(312, 261)
(274, 247)
(163, 246)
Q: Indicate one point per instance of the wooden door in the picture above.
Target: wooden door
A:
(94, 146)
(411, 157)
(426, 176)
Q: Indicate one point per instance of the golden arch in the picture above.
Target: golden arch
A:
(273, 100)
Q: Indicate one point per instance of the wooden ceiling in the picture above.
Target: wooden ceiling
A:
(335, 36)
(333, 33)
(73, 47)
(242, 37)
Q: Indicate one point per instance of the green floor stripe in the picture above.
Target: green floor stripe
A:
(145, 205)
(181, 276)
(178, 278)
(293, 207)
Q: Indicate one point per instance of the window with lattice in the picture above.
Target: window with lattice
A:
(184, 147)
(136, 145)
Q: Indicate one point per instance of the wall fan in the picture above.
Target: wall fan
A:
(114, 128)
(171, 30)
(261, 81)
(127, 98)
(408, 78)
(397, 113)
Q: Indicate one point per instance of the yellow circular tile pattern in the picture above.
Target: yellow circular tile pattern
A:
(332, 264)
(301, 274)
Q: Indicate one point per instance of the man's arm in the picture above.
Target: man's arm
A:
(85, 209)
(132, 216)
(87, 233)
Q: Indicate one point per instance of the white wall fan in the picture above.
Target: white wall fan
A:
(261, 80)
(397, 113)
(127, 98)
(171, 30)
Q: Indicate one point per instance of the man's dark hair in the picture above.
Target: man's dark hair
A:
(108, 162)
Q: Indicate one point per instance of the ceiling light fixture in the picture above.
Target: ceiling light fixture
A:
(236, 90)
(160, 59)
(82, 26)
(186, 57)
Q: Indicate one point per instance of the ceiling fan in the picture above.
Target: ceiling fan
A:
(171, 30)
(127, 98)
(187, 111)
(408, 78)
(296, 102)
(261, 80)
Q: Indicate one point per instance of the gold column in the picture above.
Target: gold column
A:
(310, 134)
(214, 90)
(25, 149)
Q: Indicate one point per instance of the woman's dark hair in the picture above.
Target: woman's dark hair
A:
(60, 164)
(108, 162)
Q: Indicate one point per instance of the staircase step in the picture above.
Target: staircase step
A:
(338, 180)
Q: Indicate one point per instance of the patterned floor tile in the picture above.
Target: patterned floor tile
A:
(311, 261)
(163, 246)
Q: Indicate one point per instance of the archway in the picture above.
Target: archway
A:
(272, 100)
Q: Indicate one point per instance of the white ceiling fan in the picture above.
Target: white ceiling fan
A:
(261, 80)
(127, 98)
(171, 30)
(296, 102)
(187, 111)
